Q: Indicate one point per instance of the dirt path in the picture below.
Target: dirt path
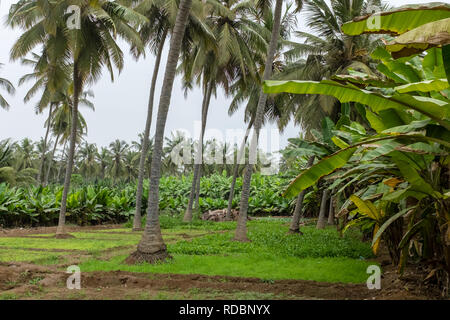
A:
(28, 281)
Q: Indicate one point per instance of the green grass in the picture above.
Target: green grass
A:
(272, 254)
(176, 223)
(41, 257)
(271, 237)
(264, 267)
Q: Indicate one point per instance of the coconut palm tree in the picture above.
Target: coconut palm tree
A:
(48, 78)
(118, 149)
(151, 248)
(241, 229)
(104, 161)
(154, 34)
(26, 154)
(325, 52)
(88, 45)
(247, 89)
(214, 61)
(87, 163)
(8, 86)
(60, 120)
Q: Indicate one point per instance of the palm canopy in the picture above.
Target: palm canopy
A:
(49, 77)
(325, 52)
(245, 89)
(92, 45)
(8, 86)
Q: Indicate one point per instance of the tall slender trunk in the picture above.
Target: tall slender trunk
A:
(137, 223)
(241, 229)
(331, 210)
(60, 231)
(201, 164)
(199, 156)
(151, 248)
(44, 149)
(197, 188)
(61, 164)
(239, 155)
(47, 175)
(295, 223)
(323, 208)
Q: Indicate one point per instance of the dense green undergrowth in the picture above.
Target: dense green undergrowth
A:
(94, 204)
(204, 247)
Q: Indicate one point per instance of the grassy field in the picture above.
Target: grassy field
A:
(206, 248)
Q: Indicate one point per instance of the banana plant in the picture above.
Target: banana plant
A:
(400, 170)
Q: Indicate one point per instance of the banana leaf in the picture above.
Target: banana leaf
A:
(398, 21)
(433, 108)
(433, 34)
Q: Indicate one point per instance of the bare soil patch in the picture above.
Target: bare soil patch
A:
(16, 279)
(18, 232)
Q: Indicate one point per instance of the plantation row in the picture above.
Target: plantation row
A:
(97, 204)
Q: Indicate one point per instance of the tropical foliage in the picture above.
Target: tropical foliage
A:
(393, 178)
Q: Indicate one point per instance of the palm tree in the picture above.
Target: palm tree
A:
(104, 161)
(153, 34)
(8, 86)
(50, 78)
(151, 248)
(327, 52)
(90, 45)
(247, 89)
(118, 148)
(60, 121)
(87, 155)
(215, 61)
(26, 154)
(241, 229)
(130, 162)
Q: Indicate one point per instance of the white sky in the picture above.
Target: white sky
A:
(120, 106)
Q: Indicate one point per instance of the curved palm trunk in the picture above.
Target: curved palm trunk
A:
(41, 167)
(195, 188)
(47, 175)
(295, 223)
(331, 210)
(151, 248)
(137, 223)
(323, 208)
(241, 229)
(60, 231)
(239, 155)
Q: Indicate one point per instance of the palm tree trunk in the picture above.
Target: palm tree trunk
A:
(241, 229)
(295, 223)
(61, 165)
(199, 174)
(197, 165)
(60, 231)
(151, 248)
(239, 155)
(47, 175)
(331, 210)
(137, 223)
(41, 168)
(323, 207)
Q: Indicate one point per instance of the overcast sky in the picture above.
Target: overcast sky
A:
(120, 106)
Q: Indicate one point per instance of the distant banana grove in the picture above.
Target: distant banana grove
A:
(96, 204)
